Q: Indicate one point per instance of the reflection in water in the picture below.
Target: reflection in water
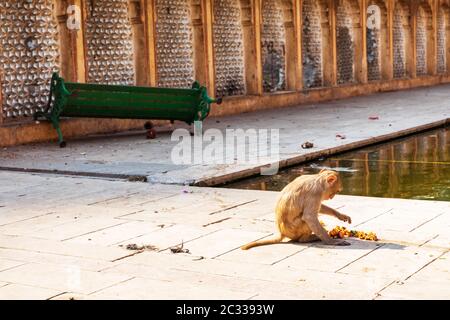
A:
(417, 167)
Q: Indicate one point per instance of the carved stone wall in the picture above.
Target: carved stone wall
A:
(400, 18)
(109, 42)
(228, 48)
(311, 45)
(441, 42)
(174, 50)
(345, 45)
(29, 54)
(421, 42)
(273, 47)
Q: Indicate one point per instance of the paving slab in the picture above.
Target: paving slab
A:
(416, 290)
(117, 234)
(221, 242)
(171, 236)
(329, 258)
(61, 248)
(212, 224)
(6, 264)
(21, 292)
(146, 289)
(265, 254)
(438, 270)
(23, 256)
(392, 260)
(62, 278)
(77, 228)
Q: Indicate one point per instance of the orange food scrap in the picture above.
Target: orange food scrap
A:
(343, 232)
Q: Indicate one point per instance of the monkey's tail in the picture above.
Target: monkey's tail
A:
(262, 243)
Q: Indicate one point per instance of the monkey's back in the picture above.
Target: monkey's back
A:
(291, 201)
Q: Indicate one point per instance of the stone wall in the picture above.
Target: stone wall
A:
(273, 47)
(344, 46)
(29, 54)
(441, 42)
(400, 18)
(109, 42)
(421, 42)
(243, 45)
(174, 49)
(228, 48)
(311, 44)
(373, 54)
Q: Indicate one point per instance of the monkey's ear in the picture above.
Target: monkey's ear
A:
(332, 178)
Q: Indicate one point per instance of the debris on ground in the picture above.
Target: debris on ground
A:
(135, 247)
(343, 232)
(374, 117)
(137, 179)
(341, 136)
(307, 145)
(179, 249)
(199, 258)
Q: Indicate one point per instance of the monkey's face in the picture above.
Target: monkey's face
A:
(334, 185)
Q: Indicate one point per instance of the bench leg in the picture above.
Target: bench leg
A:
(62, 143)
(151, 132)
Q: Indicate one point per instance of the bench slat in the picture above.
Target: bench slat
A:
(132, 98)
(115, 88)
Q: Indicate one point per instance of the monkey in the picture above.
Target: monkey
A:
(298, 206)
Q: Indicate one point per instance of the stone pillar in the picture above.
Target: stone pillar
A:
(207, 6)
(137, 17)
(329, 46)
(72, 58)
(388, 69)
(150, 41)
(290, 46)
(298, 26)
(447, 39)
(1, 99)
(252, 45)
(360, 42)
(199, 39)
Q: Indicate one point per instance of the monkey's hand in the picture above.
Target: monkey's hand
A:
(344, 218)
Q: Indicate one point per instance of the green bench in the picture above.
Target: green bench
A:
(69, 99)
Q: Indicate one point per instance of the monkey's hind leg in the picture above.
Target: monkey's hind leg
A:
(308, 238)
(303, 233)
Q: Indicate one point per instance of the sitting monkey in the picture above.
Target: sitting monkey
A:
(298, 207)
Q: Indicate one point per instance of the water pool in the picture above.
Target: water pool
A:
(415, 167)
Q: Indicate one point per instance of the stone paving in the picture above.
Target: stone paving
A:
(130, 154)
(67, 236)
(64, 237)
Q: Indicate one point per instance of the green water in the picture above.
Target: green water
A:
(416, 167)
